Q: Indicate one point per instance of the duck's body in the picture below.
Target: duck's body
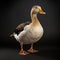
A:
(31, 32)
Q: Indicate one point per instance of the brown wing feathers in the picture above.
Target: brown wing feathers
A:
(20, 27)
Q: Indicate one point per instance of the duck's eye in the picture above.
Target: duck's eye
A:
(37, 10)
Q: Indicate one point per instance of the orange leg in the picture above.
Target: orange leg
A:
(32, 50)
(22, 52)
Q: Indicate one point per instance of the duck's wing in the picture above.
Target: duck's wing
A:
(20, 27)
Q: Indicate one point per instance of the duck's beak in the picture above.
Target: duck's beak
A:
(41, 11)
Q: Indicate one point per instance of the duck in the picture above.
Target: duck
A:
(29, 32)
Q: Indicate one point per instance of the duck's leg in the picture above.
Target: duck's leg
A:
(22, 51)
(32, 50)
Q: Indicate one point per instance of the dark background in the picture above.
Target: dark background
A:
(15, 12)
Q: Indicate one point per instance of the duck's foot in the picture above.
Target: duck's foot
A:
(23, 52)
(32, 50)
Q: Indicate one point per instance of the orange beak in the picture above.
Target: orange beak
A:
(41, 12)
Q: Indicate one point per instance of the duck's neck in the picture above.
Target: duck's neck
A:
(35, 20)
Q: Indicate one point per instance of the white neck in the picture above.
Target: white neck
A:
(34, 19)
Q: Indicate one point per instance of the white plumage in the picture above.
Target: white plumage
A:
(29, 35)
(31, 32)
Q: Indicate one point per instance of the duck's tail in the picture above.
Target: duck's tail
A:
(12, 35)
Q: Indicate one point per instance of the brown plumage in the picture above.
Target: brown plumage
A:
(20, 27)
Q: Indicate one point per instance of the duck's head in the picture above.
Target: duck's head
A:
(37, 9)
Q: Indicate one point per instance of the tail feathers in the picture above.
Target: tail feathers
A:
(12, 34)
(15, 36)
